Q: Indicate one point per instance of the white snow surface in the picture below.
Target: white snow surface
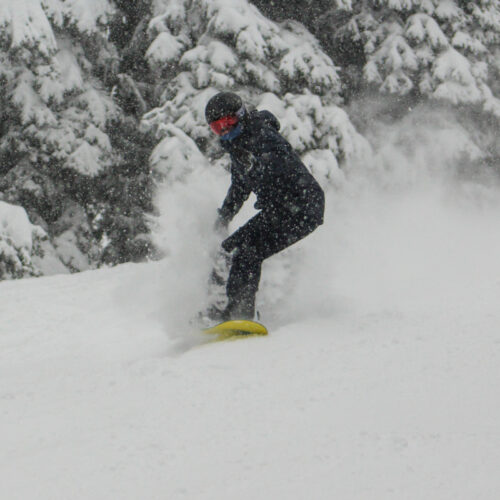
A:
(378, 379)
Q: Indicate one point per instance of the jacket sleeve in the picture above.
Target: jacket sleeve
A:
(237, 194)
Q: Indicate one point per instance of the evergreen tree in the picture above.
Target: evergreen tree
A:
(22, 245)
(437, 49)
(424, 49)
(200, 47)
(58, 139)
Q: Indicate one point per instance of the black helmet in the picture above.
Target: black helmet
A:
(221, 105)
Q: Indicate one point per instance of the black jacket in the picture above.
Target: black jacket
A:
(265, 163)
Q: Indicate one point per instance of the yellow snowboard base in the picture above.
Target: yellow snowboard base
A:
(237, 329)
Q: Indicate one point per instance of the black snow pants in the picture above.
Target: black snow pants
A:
(266, 234)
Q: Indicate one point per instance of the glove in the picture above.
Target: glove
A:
(229, 244)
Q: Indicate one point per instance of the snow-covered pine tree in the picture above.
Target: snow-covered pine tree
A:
(60, 127)
(438, 49)
(483, 32)
(394, 55)
(199, 47)
(22, 245)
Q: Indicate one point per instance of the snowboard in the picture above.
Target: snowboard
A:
(236, 329)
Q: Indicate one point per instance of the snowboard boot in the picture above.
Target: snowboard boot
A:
(212, 316)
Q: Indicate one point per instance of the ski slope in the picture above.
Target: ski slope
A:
(379, 378)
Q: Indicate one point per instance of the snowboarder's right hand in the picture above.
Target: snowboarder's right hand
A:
(229, 244)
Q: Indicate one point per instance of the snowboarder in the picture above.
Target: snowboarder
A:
(290, 201)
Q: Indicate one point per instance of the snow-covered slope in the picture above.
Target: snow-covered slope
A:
(379, 378)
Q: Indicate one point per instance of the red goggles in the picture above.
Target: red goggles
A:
(224, 125)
